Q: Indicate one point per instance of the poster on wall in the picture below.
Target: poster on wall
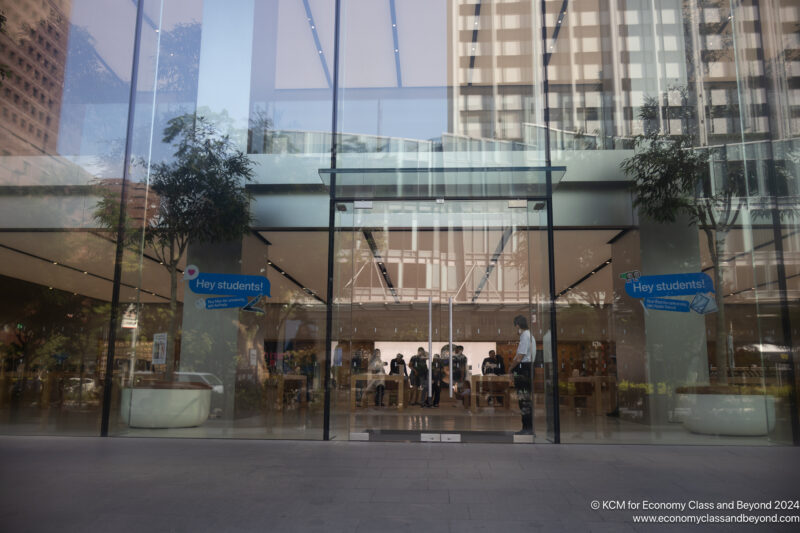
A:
(231, 290)
(160, 349)
(654, 290)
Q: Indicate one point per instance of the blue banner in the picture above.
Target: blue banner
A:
(226, 302)
(230, 285)
(669, 285)
(665, 304)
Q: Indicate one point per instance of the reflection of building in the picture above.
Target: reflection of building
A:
(605, 61)
(34, 48)
(438, 146)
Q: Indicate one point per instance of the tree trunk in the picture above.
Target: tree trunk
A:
(721, 348)
(173, 320)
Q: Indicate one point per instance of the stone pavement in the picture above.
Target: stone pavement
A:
(152, 485)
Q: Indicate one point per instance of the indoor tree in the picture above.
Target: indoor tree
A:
(199, 196)
(670, 178)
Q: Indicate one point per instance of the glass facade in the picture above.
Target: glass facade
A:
(311, 219)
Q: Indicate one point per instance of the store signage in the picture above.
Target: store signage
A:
(667, 304)
(704, 304)
(159, 348)
(239, 290)
(653, 289)
(669, 285)
(230, 285)
(226, 302)
(130, 318)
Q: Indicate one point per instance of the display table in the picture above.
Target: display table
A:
(372, 380)
(496, 385)
(301, 382)
(597, 391)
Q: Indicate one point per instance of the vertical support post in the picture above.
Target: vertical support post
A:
(326, 414)
(430, 347)
(112, 327)
(550, 241)
(451, 345)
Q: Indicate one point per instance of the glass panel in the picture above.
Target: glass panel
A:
(64, 93)
(718, 73)
(260, 353)
(407, 257)
(438, 84)
(545, 410)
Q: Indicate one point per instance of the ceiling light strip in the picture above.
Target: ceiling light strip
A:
(495, 257)
(290, 278)
(474, 45)
(81, 271)
(396, 42)
(317, 44)
(594, 271)
(381, 265)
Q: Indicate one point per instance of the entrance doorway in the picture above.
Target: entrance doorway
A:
(424, 292)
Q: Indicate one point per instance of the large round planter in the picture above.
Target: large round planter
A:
(165, 407)
(729, 414)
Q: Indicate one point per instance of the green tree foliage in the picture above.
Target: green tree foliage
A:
(198, 196)
(671, 178)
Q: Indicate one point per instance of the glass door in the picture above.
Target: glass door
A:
(431, 298)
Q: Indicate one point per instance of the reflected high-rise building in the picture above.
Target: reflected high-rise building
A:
(424, 173)
(33, 48)
(719, 74)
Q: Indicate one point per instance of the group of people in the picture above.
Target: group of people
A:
(417, 374)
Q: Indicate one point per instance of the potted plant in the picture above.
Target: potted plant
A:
(671, 177)
(199, 197)
(731, 410)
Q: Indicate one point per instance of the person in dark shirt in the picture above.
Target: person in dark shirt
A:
(493, 365)
(398, 366)
(437, 376)
(419, 376)
(459, 365)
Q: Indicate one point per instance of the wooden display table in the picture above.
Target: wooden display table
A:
(372, 380)
(302, 385)
(597, 390)
(495, 384)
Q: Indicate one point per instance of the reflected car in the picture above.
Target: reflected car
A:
(86, 384)
(201, 377)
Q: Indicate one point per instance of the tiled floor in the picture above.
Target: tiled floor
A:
(117, 485)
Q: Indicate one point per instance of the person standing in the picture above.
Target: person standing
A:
(522, 371)
(398, 368)
(459, 366)
(437, 381)
(376, 382)
(419, 376)
(493, 365)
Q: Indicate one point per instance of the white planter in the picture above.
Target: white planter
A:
(680, 409)
(729, 414)
(165, 408)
